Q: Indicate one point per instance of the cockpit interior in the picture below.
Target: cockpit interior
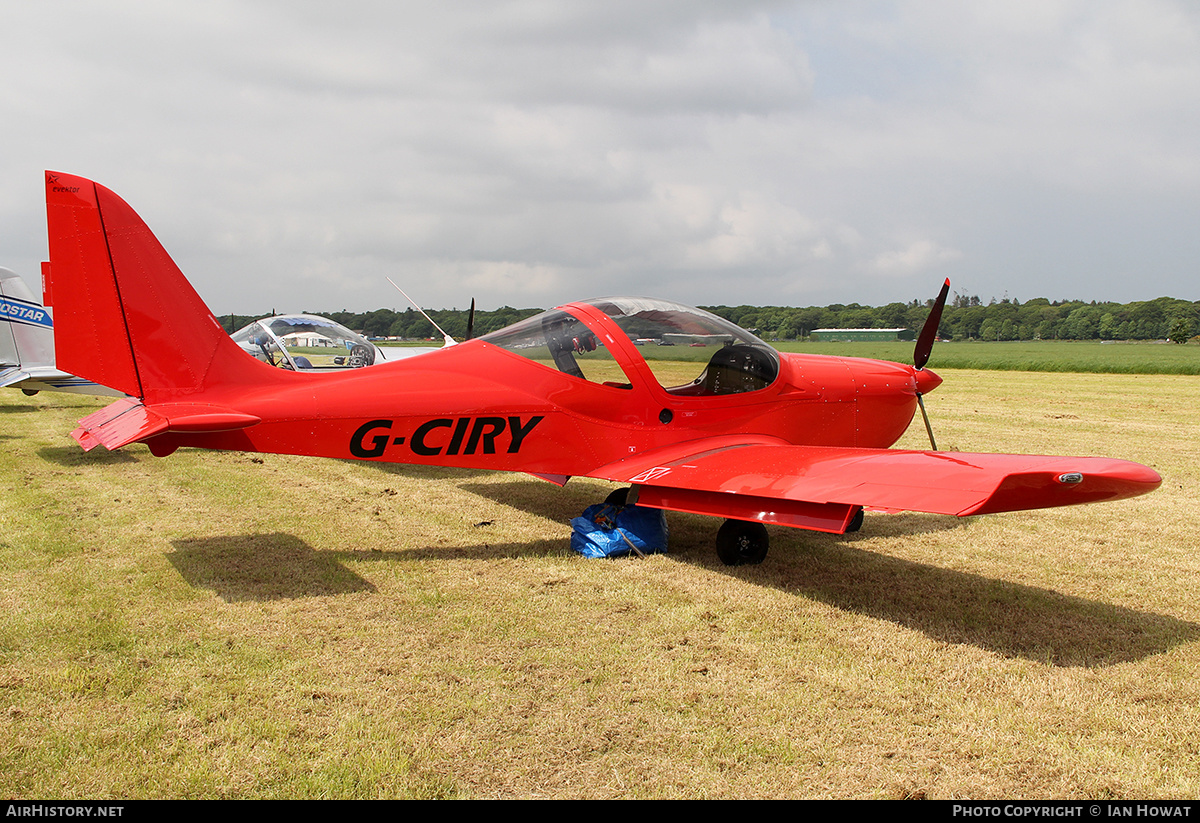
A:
(735, 361)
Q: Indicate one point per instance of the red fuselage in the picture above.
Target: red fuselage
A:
(480, 406)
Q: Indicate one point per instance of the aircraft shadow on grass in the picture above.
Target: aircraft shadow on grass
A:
(18, 408)
(261, 567)
(1010, 619)
(275, 566)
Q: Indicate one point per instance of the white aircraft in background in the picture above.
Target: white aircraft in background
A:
(27, 344)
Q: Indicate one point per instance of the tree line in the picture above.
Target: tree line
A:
(968, 318)
(965, 318)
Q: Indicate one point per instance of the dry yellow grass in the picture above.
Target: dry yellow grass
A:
(227, 625)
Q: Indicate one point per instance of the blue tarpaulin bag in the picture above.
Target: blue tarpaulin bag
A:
(605, 530)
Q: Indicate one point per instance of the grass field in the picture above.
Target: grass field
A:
(229, 625)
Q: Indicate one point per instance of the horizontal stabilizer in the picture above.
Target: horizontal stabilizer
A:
(129, 421)
(118, 424)
(12, 375)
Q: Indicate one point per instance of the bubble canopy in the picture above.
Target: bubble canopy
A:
(564, 338)
(304, 342)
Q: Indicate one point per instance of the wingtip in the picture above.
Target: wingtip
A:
(1070, 481)
(1147, 477)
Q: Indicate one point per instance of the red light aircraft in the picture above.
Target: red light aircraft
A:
(759, 437)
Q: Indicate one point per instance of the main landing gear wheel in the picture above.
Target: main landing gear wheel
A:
(742, 543)
(856, 522)
(619, 497)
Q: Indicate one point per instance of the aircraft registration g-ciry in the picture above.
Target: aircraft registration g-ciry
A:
(760, 436)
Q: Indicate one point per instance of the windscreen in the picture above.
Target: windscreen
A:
(671, 337)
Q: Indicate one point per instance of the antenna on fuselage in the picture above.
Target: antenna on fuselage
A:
(449, 340)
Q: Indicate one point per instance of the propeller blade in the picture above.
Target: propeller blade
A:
(929, 330)
(924, 348)
(471, 320)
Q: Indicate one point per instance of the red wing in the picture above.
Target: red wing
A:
(816, 487)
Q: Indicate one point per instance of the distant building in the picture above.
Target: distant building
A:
(846, 335)
(696, 339)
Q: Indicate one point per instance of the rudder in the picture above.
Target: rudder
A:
(126, 316)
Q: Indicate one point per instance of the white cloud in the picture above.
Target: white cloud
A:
(918, 256)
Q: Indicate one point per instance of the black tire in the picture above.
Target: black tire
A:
(742, 543)
(619, 497)
(855, 522)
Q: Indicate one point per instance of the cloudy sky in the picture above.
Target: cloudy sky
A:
(291, 155)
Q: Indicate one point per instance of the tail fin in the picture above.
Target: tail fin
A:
(126, 317)
(26, 330)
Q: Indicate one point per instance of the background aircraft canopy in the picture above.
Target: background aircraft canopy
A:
(303, 342)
